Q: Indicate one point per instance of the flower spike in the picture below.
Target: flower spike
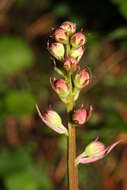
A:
(52, 120)
(95, 151)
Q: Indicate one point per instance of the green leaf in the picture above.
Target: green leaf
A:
(15, 54)
(20, 103)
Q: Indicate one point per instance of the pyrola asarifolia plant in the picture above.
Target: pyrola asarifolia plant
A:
(67, 48)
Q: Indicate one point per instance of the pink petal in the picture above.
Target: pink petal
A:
(88, 160)
(61, 129)
(112, 146)
(89, 113)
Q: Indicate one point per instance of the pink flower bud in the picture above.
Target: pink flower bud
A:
(61, 36)
(69, 27)
(77, 53)
(57, 50)
(78, 40)
(96, 150)
(61, 88)
(82, 115)
(53, 121)
(70, 64)
(81, 79)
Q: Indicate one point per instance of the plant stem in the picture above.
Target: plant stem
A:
(72, 168)
(71, 149)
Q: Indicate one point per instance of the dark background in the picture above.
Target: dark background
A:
(32, 157)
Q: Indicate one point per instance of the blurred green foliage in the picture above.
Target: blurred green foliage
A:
(20, 172)
(122, 6)
(20, 103)
(15, 55)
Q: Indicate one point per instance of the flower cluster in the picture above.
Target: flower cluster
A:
(67, 48)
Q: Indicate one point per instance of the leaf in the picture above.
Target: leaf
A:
(15, 54)
(20, 103)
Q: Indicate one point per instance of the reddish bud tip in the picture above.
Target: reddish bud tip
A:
(57, 50)
(61, 36)
(69, 27)
(81, 115)
(81, 79)
(61, 88)
(78, 40)
(70, 64)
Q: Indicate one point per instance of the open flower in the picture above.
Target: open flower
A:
(96, 150)
(53, 121)
(82, 115)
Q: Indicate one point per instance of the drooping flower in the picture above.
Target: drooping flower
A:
(57, 50)
(77, 53)
(82, 115)
(52, 120)
(61, 36)
(69, 27)
(70, 64)
(81, 79)
(96, 150)
(78, 40)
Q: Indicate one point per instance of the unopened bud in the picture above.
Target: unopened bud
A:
(61, 88)
(77, 53)
(61, 36)
(81, 115)
(57, 50)
(81, 79)
(95, 148)
(70, 64)
(69, 27)
(78, 40)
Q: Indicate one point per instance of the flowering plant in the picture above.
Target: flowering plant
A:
(67, 49)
